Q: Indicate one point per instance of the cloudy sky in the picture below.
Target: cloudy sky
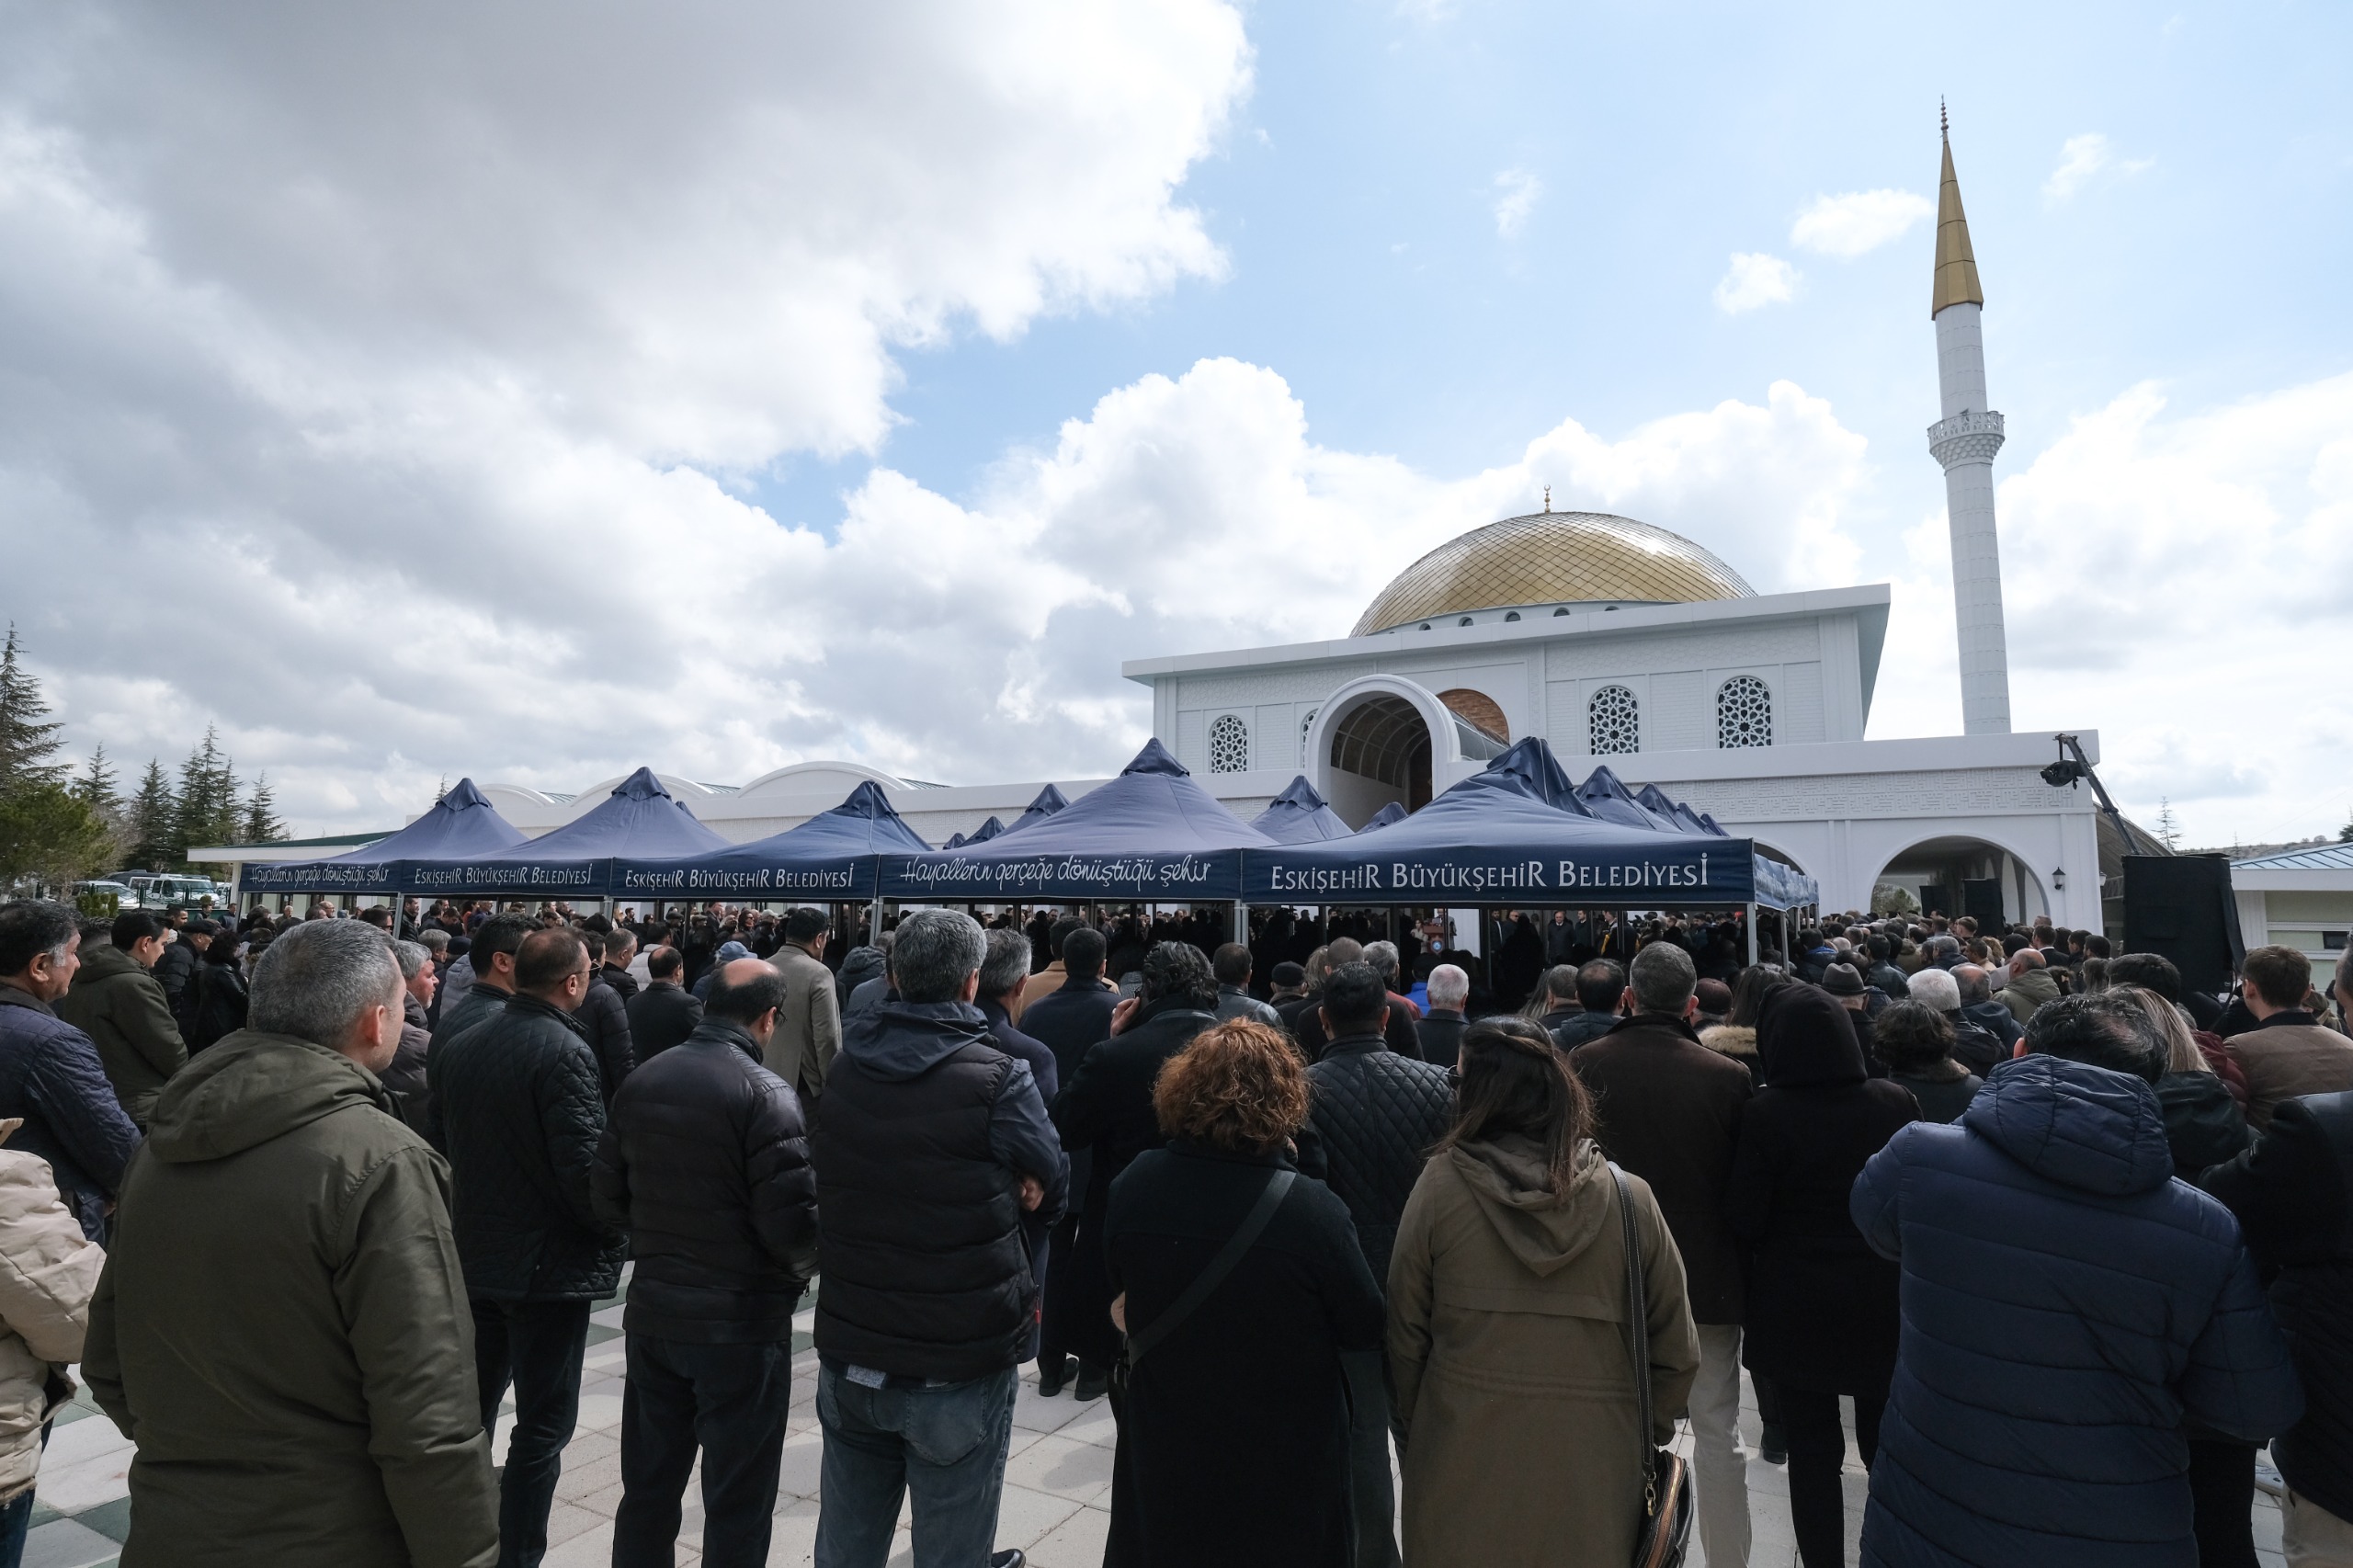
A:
(530, 392)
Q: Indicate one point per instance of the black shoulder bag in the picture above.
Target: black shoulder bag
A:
(1663, 1534)
(1253, 1226)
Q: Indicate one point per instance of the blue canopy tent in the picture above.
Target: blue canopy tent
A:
(639, 821)
(1152, 835)
(1518, 831)
(831, 857)
(1049, 801)
(955, 841)
(1299, 815)
(1494, 837)
(1391, 812)
(462, 821)
(986, 830)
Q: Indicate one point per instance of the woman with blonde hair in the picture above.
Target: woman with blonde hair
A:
(1511, 1348)
(1241, 1289)
(2203, 1123)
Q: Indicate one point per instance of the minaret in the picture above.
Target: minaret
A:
(1965, 440)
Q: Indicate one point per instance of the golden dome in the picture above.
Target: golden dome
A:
(1551, 558)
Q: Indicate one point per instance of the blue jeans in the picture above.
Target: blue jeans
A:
(16, 1518)
(945, 1445)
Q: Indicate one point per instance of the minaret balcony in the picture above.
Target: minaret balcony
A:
(1973, 435)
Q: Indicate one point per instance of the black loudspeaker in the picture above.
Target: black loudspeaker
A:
(2181, 907)
(1938, 898)
(1981, 898)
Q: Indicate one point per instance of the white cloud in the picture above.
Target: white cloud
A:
(2175, 583)
(2084, 159)
(1753, 280)
(1516, 191)
(1858, 221)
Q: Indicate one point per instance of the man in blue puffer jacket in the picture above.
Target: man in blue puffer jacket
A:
(2066, 1305)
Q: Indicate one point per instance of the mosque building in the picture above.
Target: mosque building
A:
(1621, 643)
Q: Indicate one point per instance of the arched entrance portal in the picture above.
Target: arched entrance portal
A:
(1955, 876)
(1385, 739)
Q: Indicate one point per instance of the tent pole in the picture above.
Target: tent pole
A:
(1751, 925)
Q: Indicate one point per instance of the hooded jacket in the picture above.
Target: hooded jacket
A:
(920, 1141)
(49, 1272)
(1510, 1356)
(283, 1330)
(2067, 1305)
(120, 1005)
(51, 1079)
(1821, 1310)
(2024, 994)
(858, 966)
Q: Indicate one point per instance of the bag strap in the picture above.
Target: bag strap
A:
(1639, 1332)
(1253, 1225)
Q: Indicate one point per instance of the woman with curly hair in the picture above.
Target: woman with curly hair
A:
(1508, 1342)
(1234, 1430)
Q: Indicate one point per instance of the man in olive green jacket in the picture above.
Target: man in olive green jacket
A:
(119, 1004)
(282, 1324)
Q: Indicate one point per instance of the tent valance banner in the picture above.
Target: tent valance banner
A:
(1152, 835)
(462, 821)
(829, 859)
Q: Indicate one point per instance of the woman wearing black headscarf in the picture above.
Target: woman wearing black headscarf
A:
(1821, 1318)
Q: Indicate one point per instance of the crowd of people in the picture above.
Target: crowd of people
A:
(308, 1199)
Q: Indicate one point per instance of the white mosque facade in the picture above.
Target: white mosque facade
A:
(1621, 643)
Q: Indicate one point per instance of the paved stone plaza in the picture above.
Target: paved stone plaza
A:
(1057, 1483)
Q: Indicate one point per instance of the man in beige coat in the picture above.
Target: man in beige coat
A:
(809, 1029)
(2287, 1053)
(48, 1271)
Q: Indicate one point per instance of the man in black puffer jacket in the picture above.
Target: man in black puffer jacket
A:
(522, 1107)
(932, 1147)
(1377, 1113)
(706, 1164)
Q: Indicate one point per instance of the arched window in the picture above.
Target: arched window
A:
(1229, 744)
(1613, 722)
(1304, 725)
(1743, 713)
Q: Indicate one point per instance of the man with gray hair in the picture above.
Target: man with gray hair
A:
(1441, 1032)
(1980, 1006)
(1972, 1046)
(932, 1151)
(1669, 1110)
(282, 1326)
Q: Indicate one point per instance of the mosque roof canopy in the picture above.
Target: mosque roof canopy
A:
(1553, 558)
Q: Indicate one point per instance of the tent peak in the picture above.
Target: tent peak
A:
(1300, 792)
(641, 785)
(463, 795)
(1156, 759)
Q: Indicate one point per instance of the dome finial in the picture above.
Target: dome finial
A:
(1944, 121)
(1548, 497)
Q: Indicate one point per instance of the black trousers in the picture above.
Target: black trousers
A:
(1817, 1440)
(1057, 1306)
(728, 1400)
(2221, 1499)
(537, 1346)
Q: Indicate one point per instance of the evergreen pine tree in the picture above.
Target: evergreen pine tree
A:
(262, 824)
(27, 735)
(153, 815)
(96, 787)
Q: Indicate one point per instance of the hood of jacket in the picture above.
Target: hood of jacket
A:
(897, 1040)
(1804, 1039)
(1545, 1230)
(102, 964)
(248, 1088)
(2078, 1125)
(2036, 986)
(1733, 1040)
(860, 965)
